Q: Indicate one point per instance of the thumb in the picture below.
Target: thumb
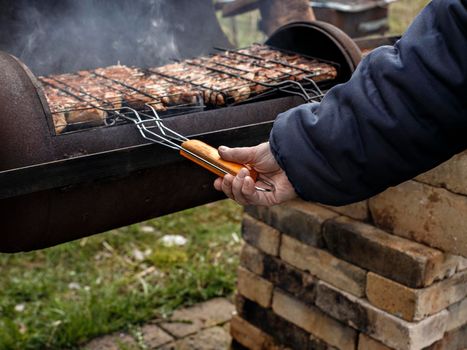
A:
(243, 155)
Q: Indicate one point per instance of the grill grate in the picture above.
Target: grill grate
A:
(94, 98)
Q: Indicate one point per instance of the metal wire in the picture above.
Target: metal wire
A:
(223, 79)
(172, 139)
(274, 83)
(168, 136)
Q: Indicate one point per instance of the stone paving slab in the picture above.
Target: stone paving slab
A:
(204, 326)
(154, 336)
(214, 338)
(116, 341)
(191, 320)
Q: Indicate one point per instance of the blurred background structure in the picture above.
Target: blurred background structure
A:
(244, 23)
(356, 17)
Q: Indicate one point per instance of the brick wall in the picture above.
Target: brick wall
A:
(387, 273)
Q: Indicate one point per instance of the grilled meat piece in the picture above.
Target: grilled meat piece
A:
(59, 121)
(85, 113)
(225, 78)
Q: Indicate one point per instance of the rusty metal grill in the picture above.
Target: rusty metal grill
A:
(92, 177)
(88, 99)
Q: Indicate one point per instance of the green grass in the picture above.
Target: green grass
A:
(242, 30)
(402, 13)
(62, 296)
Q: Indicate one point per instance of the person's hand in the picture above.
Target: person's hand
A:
(241, 188)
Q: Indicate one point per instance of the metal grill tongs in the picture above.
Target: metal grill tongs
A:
(195, 150)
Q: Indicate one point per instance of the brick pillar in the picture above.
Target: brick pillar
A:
(387, 273)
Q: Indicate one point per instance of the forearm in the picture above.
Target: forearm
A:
(403, 112)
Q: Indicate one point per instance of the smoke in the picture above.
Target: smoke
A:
(67, 35)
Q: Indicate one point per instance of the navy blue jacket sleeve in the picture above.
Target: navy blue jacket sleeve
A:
(403, 112)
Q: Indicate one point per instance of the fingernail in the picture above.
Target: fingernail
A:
(222, 148)
(243, 173)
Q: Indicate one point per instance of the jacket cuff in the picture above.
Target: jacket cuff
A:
(275, 146)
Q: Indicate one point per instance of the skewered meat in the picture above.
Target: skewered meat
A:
(84, 112)
(83, 98)
(59, 122)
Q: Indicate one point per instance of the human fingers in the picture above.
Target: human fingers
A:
(245, 192)
(242, 155)
(237, 187)
(226, 186)
(218, 184)
(250, 193)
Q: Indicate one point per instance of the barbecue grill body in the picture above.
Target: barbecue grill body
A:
(57, 188)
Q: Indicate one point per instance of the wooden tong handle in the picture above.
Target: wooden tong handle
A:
(211, 155)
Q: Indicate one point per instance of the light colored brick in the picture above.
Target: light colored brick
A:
(462, 264)
(314, 321)
(250, 336)
(254, 287)
(451, 174)
(457, 315)
(425, 214)
(323, 265)
(394, 298)
(367, 343)
(403, 335)
(260, 235)
(252, 259)
(415, 304)
(358, 211)
(444, 267)
(459, 261)
(380, 325)
(407, 262)
(453, 340)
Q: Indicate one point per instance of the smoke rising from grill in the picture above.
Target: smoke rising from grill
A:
(56, 36)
